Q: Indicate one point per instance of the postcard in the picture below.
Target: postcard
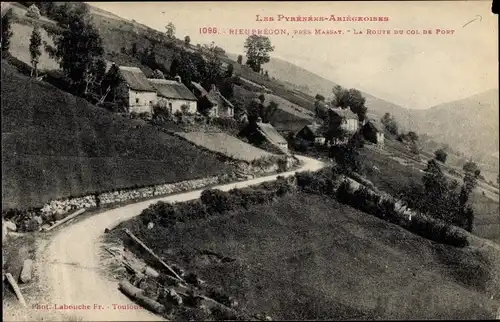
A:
(258, 160)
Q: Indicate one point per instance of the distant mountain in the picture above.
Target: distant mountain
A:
(468, 125)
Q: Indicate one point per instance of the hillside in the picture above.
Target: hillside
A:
(299, 86)
(56, 145)
(469, 124)
(308, 257)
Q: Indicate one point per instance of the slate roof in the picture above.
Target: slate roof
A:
(271, 133)
(172, 89)
(204, 93)
(345, 113)
(314, 128)
(376, 124)
(216, 95)
(135, 79)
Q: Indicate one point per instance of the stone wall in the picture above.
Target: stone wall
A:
(56, 209)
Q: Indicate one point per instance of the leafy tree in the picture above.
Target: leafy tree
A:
(187, 41)
(35, 52)
(185, 66)
(230, 70)
(134, 49)
(441, 155)
(170, 31)
(226, 87)
(240, 59)
(213, 71)
(471, 167)
(413, 136)
(471, 176)
(390, 124)
(319, 97)
(78, 48)
(158, 74)
(352, 99)
(258, 49)
(33, 12)
(47, 8)
(6, 31)
(269, 111)
(257, 109)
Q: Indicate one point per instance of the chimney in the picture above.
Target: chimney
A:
(178, 79)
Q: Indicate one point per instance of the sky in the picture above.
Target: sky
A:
(414, 71)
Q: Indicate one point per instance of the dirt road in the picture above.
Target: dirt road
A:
(70, 269)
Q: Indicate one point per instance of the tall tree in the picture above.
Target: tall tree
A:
(213, 72)
(35, 52)
(170, 31)
(390, 124)
(78, 48)
(258, 49)
(230, 70)
(6, 31)
(441, 155)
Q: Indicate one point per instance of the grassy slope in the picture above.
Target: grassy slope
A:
(308, 257)
(392, 177)
(227, 145)
(56, 145)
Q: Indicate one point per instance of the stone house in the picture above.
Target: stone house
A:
(135, 91)
(172, 95)
(346, 118)
(373, 131)
(259, 134)
(219, 106)
(310, 132)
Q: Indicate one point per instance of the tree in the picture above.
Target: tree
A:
(33, 12)
(35, 52)
(352, 99)
(134, 49)
(441, 155)
(170, 31)
(257, 109)
(240, 59)
(213, 71)
(184, 65)
(390, 124)
(78, 48)
(319, 97)
(413, 136)
(230, 70)
(158, 74)
(6, 31)
(258, 49)
(471, 167)
(187, 41)
(266, 74)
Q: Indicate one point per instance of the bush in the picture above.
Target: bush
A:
(217, 200)
(315, 182)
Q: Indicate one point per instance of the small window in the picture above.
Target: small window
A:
(137, 100)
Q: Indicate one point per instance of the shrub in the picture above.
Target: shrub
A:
(344, 192)
(315, 182)
(441, 155)
(216, 200)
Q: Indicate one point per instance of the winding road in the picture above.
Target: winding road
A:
(71, 271)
